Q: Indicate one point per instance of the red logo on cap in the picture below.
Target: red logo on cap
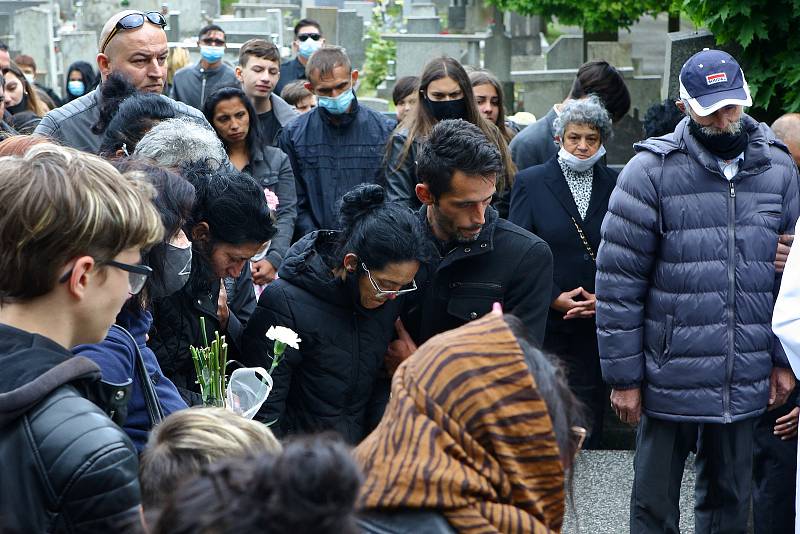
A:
(719, 77)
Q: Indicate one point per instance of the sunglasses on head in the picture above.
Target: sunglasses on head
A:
(133, 21)
(303, 37)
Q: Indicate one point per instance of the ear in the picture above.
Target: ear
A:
(119, 153)
(103, 65)
(350, 262)
(681, 106)
(424, 194)
(295, 44)
(557, 139)
(238, 72)
(201, 232)
(354, 75)
(82, 270)
(309, 87)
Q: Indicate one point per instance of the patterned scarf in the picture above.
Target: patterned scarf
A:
(466, 433)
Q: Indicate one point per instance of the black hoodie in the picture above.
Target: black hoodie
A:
(66, 466)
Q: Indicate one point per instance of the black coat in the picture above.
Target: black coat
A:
(66, 467)
(505, 264)
(542, 203)
(336, 380)
(176, 324)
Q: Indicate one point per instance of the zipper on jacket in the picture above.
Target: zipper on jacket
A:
(731, 265)
(203, 89)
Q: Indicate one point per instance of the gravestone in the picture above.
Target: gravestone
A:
(173, 28)
(92, 14)
(338, 4)
(423, 25)
(77, 46)
(525, 40)
(364, 9)
(422, 9)
(457, 15)
(478, 16)
(376, 104)
(414, 50)
(680, 47)
(616, 53)
(350, 36)
(565, 53)
(497, 58)
(240, 30)
(6, 24)
(33, 35)
(327, 17)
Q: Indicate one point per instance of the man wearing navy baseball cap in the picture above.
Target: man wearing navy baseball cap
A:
(685, 283)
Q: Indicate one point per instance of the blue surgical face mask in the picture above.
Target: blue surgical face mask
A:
(76, 87)
(308, 47)
(337, 105)
(212, 54)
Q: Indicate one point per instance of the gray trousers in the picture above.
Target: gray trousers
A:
(723, 464)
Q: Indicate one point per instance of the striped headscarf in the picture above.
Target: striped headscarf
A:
(466, 433)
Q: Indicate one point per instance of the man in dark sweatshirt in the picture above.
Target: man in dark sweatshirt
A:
(192, 84)
(64, 275)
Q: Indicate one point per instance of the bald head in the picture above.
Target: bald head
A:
(139, 54)
(787, 129)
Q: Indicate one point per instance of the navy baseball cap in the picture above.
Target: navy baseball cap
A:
(711, 80)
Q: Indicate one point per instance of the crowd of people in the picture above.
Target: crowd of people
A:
(467, 291)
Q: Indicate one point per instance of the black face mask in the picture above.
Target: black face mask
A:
(724, 146)
(175, 270)
(22, 106)
(447, 109)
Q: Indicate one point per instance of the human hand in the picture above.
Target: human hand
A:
(786, 426)
(627, 404)
(585, 308)
(784, 246)
(781, 384)
(263, 272)
(574, 309)
(223, 313)
(400, 349)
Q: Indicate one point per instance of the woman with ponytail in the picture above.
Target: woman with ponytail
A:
(341, 292)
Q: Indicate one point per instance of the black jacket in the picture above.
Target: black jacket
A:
(193, 84)
(329, 157)
(65, 466)
(403, 521)
(505, 264)
(291, 71)
(334, 382)
(534, 145)
(542, 203)
(176, 323)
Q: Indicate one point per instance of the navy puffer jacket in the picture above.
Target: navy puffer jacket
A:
(686, 277)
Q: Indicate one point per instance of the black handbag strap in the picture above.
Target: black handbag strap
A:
(584, 239)
(154, 411)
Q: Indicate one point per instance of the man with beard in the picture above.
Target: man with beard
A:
(132, 44)
(686, 280)
(476, 258)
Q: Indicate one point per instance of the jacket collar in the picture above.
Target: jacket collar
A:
(602, 185)
(757, 157)
(455, 251)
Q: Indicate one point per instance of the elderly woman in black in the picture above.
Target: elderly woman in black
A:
(563, 201)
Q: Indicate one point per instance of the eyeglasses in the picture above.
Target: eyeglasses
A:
(382, 293)
(137, 274)
(303, 37)
(579, 436)
(133, 21)
(213, 42)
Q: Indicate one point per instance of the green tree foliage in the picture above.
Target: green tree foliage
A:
(766, 30)
(593, 15)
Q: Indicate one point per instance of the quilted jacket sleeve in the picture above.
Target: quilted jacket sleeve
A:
(630, 238)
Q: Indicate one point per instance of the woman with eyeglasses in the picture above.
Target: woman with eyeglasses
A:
(340, 291)
(163, 270)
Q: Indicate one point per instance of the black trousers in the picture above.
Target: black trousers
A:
(774, 482)
(723, 463)
(576, 347)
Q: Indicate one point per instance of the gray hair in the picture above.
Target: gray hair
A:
(181, 141)
(589, 111)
